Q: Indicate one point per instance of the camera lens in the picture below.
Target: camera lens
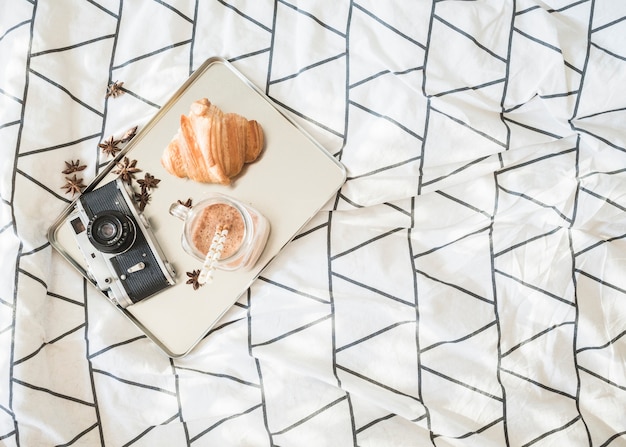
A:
(107, 231)
(111, 232)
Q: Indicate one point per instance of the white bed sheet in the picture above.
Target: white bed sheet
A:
(465, 287)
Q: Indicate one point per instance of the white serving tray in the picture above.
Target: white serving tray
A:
(292, 179)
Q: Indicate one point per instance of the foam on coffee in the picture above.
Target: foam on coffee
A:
(212, 218)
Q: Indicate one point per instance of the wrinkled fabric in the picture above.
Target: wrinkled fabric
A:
(465, 287)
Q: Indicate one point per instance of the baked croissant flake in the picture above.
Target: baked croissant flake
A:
(212, 146)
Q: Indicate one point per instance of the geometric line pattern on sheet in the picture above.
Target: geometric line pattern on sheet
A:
(468, 245)
(13, 97)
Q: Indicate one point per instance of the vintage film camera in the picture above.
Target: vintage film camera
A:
(123, 257)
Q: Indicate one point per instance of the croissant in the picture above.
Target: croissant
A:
(212, 146)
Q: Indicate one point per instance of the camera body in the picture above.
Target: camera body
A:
(122, 255)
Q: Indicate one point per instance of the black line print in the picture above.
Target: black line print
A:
(407, 213)
(59, 146)
(152, 53)
(536, 336)
(456, 171)
(142, 99)
(475, 432)
(14, 98)
(310, 416)
(13, 123)
(387, 25)
(376, 383)
(367, 242)
(383, 73)
(66, 299)
(176, 11)
(311, 16)
(6, 227)
(177, 378)
(66, 91)
(372, 289)
(16, 278)
(312, 230)
(246, 16)
(387, 118)
(605, 345)
(608, 25)
(133, 383)
(597, 244)
(93, 355)
(535, 288)
(571, 5)
(98, 5)
(455, 286)
(44, 187)
(47, 343)
(464, 124)
(220, 422)
(602, 378)
(528, 241)
(539, 384)
(604, 199)
(554, 208)
(551, 432)
(349, 201)
(458, 239)
(305, 117)
(374, 334)
(460, 339)
(386, 168)
(192, 46)
(472, 38)
(247, 55)
(293, 331)
(308, 67)
(461, 383)
(180, 415)
(472, 87)
(604, 112)
(465, 204)
(534, 129)
(290, 289)
(73, 46)
(375, 421)
(13, 28)
(220, 375)
(149, 429)
(537, 160)
(62, 396)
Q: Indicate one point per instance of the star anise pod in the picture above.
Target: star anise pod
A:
(129, 135)
(73, 185)
(142, 199)
(73, 166)
(114, 89)
(193, 279)
(187, 203)
(126, 170)
(148, 182)
(109, 146)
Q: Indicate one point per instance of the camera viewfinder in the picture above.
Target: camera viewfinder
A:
(78, 225)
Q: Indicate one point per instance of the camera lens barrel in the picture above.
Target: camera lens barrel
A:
(111, 232)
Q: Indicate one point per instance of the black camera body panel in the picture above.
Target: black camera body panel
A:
(124, 258)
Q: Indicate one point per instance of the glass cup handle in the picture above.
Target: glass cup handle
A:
(179, 210)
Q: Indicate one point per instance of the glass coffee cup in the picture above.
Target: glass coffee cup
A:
(241, 231)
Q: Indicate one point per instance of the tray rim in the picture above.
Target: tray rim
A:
(58, 222)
